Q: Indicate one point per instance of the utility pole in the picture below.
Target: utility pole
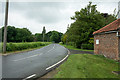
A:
(44, 32)
(5, 27)
(118, 9)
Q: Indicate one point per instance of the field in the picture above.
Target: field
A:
(87, 66)
(11, 47)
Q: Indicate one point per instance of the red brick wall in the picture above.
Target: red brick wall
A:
(108, 45)
(119, 47)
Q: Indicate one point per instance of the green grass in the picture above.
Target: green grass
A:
(72, 47)
(87, 66)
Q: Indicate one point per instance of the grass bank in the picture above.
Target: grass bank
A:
(87, 66)
(72, 47)
(24, 46)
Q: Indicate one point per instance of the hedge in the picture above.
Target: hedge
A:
(87, 46)
(24, 45)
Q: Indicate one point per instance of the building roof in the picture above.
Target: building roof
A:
(115, 25)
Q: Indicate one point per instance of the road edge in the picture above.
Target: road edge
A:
(50, 67)
(59, 61)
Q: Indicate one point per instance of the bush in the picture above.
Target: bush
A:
(60, 42)
(1, 47)
(25, 45)
(71, 43)
(87, 46)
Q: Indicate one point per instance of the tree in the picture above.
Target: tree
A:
(54, 37)
(23, 35)
(11, 33)
(39, 37)
(64, 38)
(43, 33)
(0, 35)
(108, 18)
(87, 20)
(48, 36)
(18, 34)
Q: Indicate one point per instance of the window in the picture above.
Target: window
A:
(97, 41)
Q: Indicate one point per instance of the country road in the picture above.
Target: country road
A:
(33, 63)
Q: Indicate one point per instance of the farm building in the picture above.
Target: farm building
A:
(107, 40)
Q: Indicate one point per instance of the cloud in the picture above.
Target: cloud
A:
(61, 0)
(54, 15)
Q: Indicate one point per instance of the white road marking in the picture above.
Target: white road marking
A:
(52, 48)
(33, 55)
(58, 62)
(28, 57)
(68, 52)
(30, 77)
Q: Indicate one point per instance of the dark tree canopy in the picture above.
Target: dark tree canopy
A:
(24, 35)
(18, 34)
(87, 20)
(56, 36)
(48, 38)
(38, 37)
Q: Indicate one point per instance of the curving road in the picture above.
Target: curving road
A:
(33, 63)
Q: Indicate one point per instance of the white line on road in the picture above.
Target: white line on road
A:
(52, 48)
(28, 57)
(33, 55)
(30, 77)
(58, 62)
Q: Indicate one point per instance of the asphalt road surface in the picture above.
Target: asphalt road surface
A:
(32, 63)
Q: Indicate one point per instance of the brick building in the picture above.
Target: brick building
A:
(107, 40)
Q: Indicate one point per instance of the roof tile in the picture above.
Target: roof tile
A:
(110, 27)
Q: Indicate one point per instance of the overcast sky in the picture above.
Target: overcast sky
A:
(53, 14)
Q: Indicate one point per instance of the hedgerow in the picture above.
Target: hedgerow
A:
(24, 45)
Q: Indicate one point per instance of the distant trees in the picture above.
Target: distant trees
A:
(38, 37)
(24, 35)
(87, 20)
(51, 36)
(18, 34)
(56, 36)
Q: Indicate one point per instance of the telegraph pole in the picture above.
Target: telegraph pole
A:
(118, 9)
(5, 27)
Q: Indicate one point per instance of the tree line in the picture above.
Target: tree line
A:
(86, 21)
(25, 35)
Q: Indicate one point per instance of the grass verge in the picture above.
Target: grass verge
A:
(87, 66)
(72, 47)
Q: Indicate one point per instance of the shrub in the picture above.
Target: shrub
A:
(87, 46)
(1, 47)
(71, 43)
(25, 45)
(60, 42)
(91, 41)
